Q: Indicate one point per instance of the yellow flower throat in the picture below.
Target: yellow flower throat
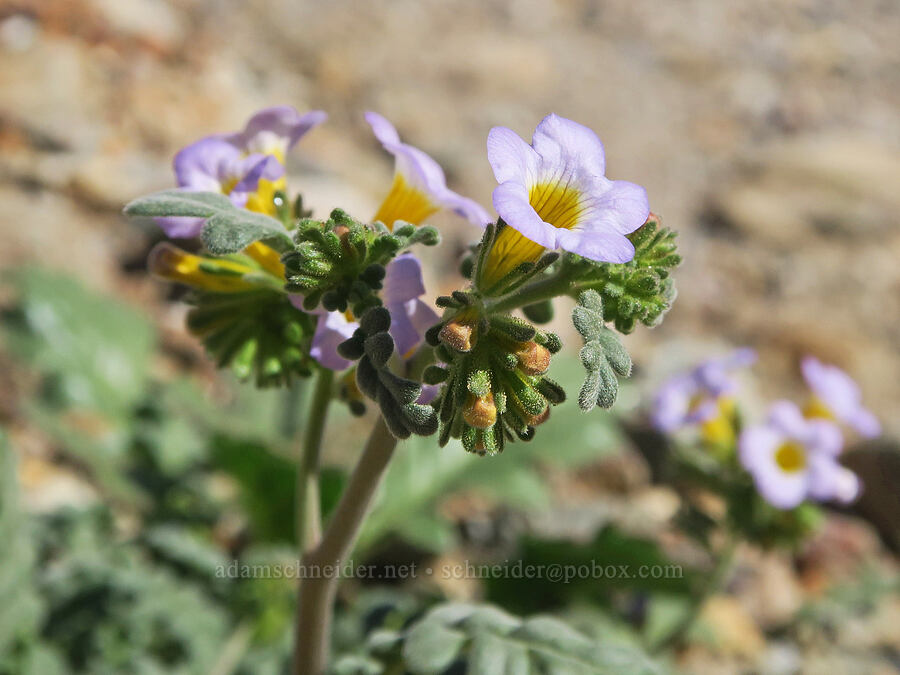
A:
(556, 203)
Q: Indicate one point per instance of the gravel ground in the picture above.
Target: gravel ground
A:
(766, 133)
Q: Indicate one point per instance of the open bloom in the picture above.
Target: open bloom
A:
(410, 316)
(553, 194)
(274, 131)
(697, 397)
(792, 458)
(248, 166)
(419, 188)
(837, 397)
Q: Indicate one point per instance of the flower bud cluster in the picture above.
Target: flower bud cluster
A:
(495, 387)
(340, 262)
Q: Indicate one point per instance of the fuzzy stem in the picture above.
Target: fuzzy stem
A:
(307, 491)
(548, 288)
(317, 590)
(290, 420)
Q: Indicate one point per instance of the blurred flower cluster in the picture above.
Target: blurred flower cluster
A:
(791, 458)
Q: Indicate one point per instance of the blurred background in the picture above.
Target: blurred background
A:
(766, 134)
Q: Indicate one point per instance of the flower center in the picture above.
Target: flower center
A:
(404, 202)
(790, 457)
(557, 204)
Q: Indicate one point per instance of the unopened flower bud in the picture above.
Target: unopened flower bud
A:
(480, 411)
(457, 335)
(533, 358)
(536, 420)
(212, 274)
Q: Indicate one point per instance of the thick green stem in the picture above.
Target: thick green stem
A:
(307, 492)
(716, 580)
(543, 289)
(321, 563)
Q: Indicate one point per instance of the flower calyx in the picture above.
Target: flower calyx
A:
(494, 384)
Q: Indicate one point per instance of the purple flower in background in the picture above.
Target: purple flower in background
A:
(792, 458)
(410, 316)
(332, 329)
(247, 166)
(275, 130)
(553, 194)
(695, 397)
(837, 397)
(419, 188)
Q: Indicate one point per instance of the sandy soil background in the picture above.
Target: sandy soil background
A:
(766, 133)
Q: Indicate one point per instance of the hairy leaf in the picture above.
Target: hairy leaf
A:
(228, 228)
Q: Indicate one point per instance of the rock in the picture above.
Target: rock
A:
(838, 552)
(47, 487)
(732, 630)
(781, 658)
(769, 590)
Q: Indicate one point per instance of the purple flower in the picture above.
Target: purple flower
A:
(410, 316)
(247, 166)
(695, 397)
(837, 397)
(419, 187)
(274, 131)
(792, 458)
(553, 194)
(332, 329)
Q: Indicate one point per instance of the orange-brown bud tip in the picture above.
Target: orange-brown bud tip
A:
(164, 260)
(533, 359)
(480, 411)
(536, 420)
(457, 336)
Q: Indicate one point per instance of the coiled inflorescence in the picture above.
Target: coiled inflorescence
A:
(396, 396)
(494, 383)
(340, 262)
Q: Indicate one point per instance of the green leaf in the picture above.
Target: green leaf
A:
(608, 566)
(267, 485)
(96, 349)
(228, 228)
(490, 641)
(178, 203)
(20, 605)
(427, 531)
(602, 356)
(430, 647)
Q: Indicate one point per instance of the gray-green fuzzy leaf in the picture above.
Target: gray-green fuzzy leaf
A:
(228, 229)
